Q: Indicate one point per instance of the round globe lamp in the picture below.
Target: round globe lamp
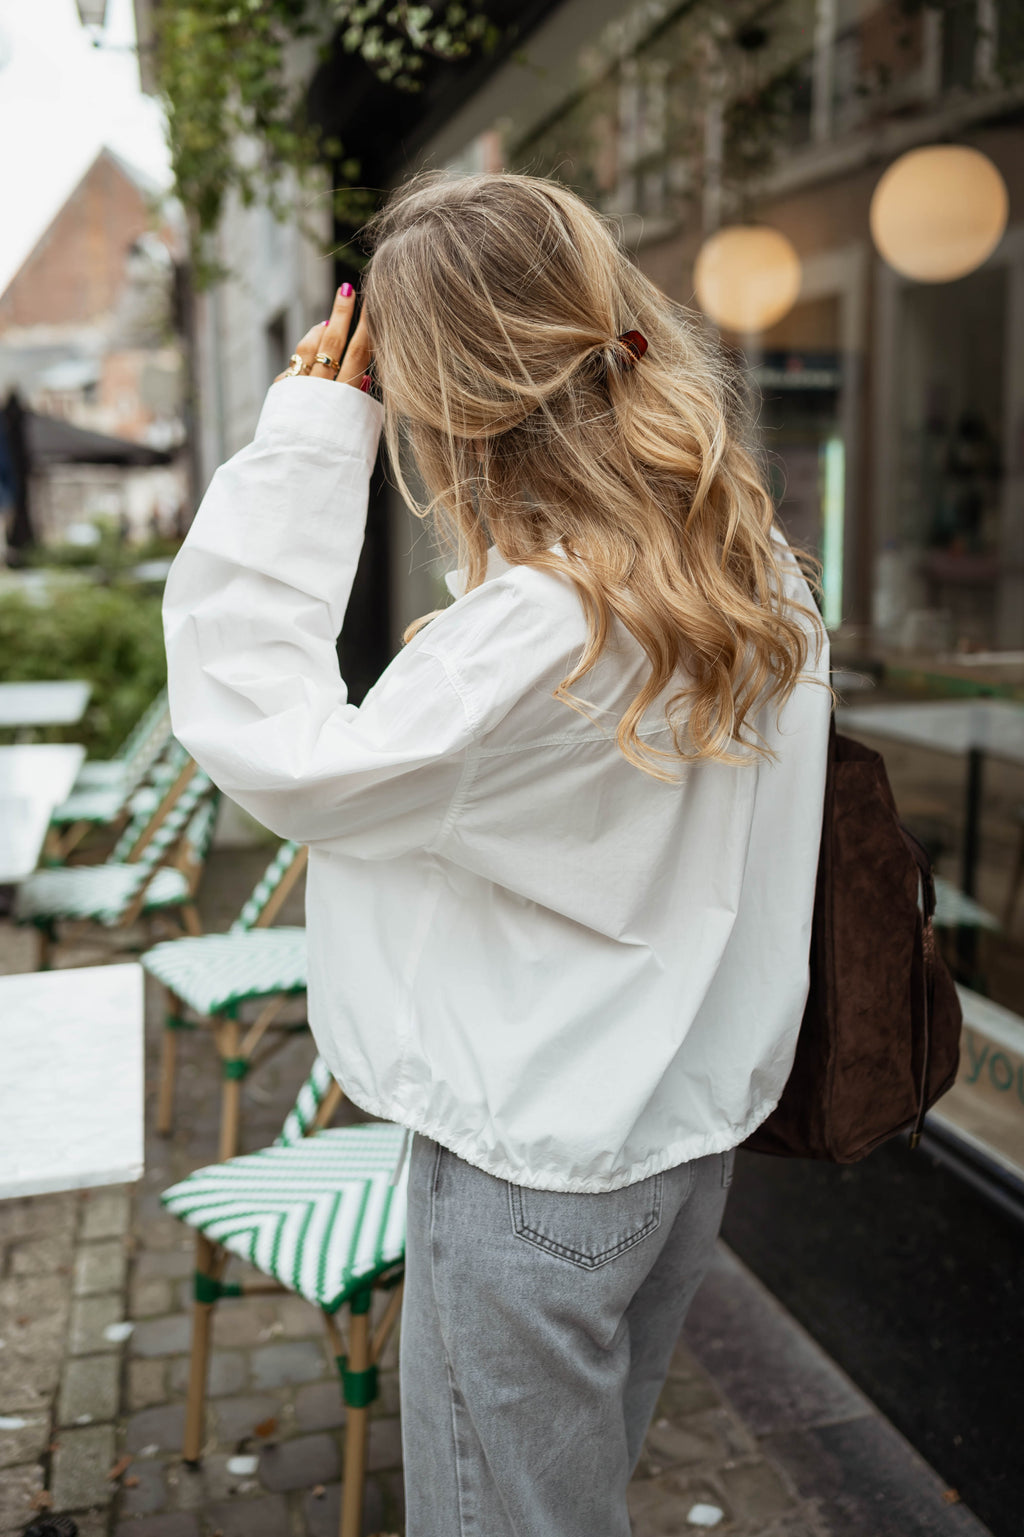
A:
(938, 212)
(746, 277)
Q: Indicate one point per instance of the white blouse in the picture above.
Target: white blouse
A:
(568, 973)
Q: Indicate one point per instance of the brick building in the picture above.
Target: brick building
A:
(86, 335)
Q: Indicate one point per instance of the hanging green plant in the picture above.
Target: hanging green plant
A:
(236, 111)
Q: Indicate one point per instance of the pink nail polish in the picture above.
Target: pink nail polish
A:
(346, 290)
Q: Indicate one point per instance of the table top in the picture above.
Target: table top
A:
(33, 780)
(44, 704)
(71, 1092)
(950, 725)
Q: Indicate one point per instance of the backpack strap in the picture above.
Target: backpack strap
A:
(927, 888)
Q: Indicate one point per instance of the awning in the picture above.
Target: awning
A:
(52, 441)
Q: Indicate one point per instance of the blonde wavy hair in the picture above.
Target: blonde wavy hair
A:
(494, 304)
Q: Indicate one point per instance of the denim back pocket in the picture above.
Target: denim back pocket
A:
(587, 1230)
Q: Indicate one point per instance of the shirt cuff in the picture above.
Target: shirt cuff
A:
(324, 412)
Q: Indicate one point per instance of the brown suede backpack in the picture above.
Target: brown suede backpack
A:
(880, 1037)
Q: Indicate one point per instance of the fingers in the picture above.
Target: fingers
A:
(348, 360)
(334, 335)
(357, 355)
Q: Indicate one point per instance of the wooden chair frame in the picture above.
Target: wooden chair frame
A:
(357, 1357)
(180, 857)
(235, 1046)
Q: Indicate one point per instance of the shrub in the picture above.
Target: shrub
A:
(110, 635)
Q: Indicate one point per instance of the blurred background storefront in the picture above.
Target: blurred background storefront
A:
(836, 186)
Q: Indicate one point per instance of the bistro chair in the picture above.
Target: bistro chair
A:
(110, 806)
(320, 1215)
(141, 747)
(154, 867)
(210, 977)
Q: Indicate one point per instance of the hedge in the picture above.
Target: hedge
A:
(110, 635)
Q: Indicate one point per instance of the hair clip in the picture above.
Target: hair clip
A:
(635, 344)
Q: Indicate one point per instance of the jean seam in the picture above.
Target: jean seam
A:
(463, 1532)
(574, 1256)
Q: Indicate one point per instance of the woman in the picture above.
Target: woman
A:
(562, 857)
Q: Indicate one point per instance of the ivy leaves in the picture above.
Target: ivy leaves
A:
(236, 104)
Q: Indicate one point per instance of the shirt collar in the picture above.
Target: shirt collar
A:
(497, 565)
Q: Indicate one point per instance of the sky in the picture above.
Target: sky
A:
(61, 100)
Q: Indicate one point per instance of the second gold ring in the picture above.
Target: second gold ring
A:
(327, 362)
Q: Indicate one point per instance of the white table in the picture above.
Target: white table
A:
(34, 778)
(71, 1090)
(43, 704)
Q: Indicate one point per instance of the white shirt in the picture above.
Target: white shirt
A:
(520, 945)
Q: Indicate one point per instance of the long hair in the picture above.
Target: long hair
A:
(494, 304)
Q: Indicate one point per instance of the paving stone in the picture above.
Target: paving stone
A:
(323, 1512)
(105, 1214)
(29, 1376)
(150, 1297)
(686, 1395)
(37, 1256)
(385, 1444)
(89, 1317)
(709, 1437)
(44, 1303)
(319, 1406)
(658, 1506)
(163, 1427)
(80, 1466)
(149, 1493)
(236, 1418)
(196, 1488)
(18, 1488)
(275, 1366)
(26, 1444)
(229, 1373)
(244, 1323)
(90, 1386)
(100, 1267)
(43, 1215)
(176, 1524)
(299, 1464)
(174, 1264)
(169, 1336)
(263, 1517)
(146, 1383)
(756, 1492)
(298, 1318)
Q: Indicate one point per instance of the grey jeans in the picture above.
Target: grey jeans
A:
(537, 1331)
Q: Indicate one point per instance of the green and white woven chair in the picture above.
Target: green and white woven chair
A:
(319, 1214)
(155, 866)
(206, 980)
(142, 746)
(102, 792)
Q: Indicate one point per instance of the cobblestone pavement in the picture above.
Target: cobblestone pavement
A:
(94, 1323)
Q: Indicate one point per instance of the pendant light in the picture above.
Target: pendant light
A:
(746, 277)
(938, 212)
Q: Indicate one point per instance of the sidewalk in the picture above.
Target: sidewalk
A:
(757, 1431)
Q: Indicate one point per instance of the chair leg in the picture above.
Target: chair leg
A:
(233, 1071)
(356, 1427)
(190, 920)
(173, 1021)
(202, 1320)
(47, 941)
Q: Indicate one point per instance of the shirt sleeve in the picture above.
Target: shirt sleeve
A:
(253, 604)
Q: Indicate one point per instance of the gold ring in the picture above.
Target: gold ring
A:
(295, 366)
(327, 362)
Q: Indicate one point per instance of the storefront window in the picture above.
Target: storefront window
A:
(891, 406)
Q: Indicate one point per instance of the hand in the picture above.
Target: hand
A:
(330, 338)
